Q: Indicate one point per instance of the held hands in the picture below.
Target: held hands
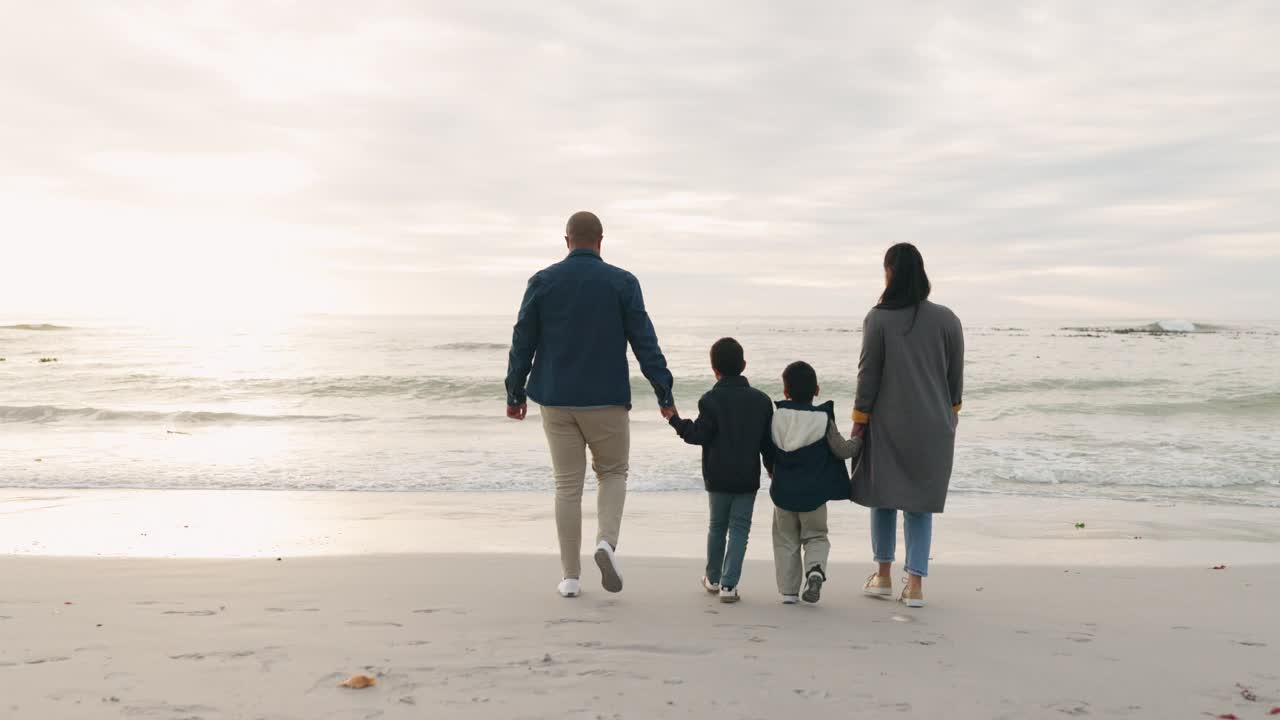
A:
(669, 412)
(859, 430)
(518, 412)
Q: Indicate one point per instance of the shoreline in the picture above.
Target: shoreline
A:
(976, 530)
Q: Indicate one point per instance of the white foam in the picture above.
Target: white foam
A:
(1176, 326)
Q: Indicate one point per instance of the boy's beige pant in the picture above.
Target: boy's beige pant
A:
(792, 532)
(607, 431)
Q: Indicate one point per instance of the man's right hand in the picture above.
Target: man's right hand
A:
(518, 412)
(669, 412)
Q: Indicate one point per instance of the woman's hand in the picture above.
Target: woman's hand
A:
(859, 430)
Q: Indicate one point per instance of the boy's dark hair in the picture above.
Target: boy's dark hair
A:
(726, 357)
(800, 381)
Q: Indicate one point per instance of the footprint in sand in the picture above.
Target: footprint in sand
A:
(573, 621)
(1073, 708)
(224, 655)
(1250, 643)
(373, 623)
(1080, 637)
(42, 661)
(191, 613)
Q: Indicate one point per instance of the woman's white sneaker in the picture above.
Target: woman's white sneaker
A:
(610, 576)
(790, 599)
(709, 586)
(729, 595)
(570, 588)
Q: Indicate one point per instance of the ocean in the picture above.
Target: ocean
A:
(1136, 411)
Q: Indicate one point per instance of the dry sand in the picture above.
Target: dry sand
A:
(1027, 619)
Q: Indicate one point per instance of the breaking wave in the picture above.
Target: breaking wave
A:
(52, 414)
(39, 327)
(474, 347)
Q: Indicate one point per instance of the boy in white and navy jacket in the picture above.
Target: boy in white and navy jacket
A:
(808, 470)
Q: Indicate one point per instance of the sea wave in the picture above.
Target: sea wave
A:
(1161, 327)
(473, 347)
(1076, 384)
(37, 327)
(404, 387)
(42, 414)
(1251, 405)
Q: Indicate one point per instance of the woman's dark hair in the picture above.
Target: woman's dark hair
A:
(909, 284)
(800, 381)
(726, 357)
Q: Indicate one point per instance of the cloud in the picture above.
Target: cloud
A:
(1082, 160)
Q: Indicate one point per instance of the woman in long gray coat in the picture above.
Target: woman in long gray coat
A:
(910, 380)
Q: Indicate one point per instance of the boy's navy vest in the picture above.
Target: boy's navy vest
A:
(806, 474)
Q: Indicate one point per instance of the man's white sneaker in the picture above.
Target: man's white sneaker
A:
(570, 587)
(790, 599)
(709, 586)
(729, 595)
(610, 577)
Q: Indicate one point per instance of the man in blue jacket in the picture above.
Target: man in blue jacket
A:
(570, 345)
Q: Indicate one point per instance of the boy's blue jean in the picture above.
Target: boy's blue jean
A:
(730, 514)
(918, 528)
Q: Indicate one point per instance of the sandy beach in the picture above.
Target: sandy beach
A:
(203, 605)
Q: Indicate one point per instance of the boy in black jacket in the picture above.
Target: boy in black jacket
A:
(733, 429)
(808, 471)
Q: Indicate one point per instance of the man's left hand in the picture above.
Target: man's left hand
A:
(669, 412)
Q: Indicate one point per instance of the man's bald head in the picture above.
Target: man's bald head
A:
(583, 230)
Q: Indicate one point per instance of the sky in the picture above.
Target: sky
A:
(1063, 159)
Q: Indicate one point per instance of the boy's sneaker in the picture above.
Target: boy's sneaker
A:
(790, 599)
(729, 595)
(813, 585)
(709, 586)
(610, 577)
(878, 586)
(570, 588)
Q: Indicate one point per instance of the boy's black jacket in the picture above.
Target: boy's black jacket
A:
(733, 428)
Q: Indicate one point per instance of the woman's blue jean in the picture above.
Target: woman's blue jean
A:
(918, 529)
(727, 536)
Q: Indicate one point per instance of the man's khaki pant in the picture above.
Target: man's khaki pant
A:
(793, 532)
(607, 431)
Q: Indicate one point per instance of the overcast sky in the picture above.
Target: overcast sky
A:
(1062, 158)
